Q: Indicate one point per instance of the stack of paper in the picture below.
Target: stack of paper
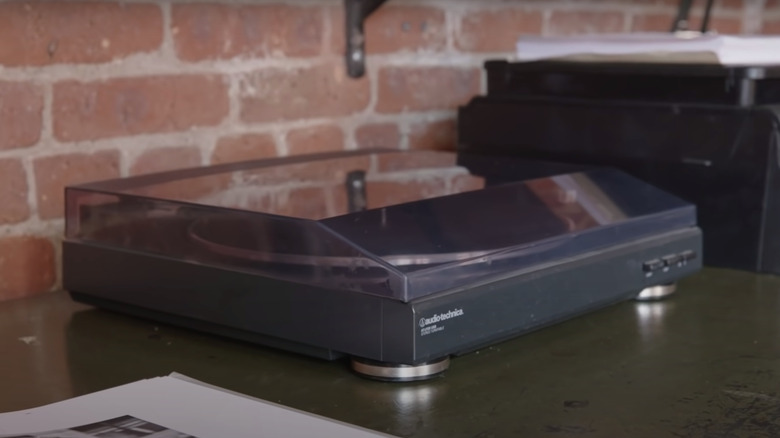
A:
(170, 407)
(655, 47)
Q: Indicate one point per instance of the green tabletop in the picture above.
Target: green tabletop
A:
(703, 363)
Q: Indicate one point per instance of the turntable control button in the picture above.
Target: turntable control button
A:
(672, 260)
(688, 255)
(652, 265)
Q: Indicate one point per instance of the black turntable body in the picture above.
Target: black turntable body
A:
(398, 260)
(706, 133)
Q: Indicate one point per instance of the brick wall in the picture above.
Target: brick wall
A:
(770, 19)
(93, 90)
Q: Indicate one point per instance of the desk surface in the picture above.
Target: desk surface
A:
(704, 363)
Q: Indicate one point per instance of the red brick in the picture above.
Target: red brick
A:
(672, 4)
(49, 32)
(730, 4)
(386, 193)
(651, 23)
(697, 8)
(13, 192)
(466, 183)
(720, 6)
(425, 88)
(338, 202)
(437, 136)
(244, 147)
(26, 266)
(318, 171)
(127, 106)
(770, 20)
(188, 190)
(315, 139)
(275, 94)
(168, 158)
(304, 202)
(337, 44)
(398, 28)
(401, 161)
(662, 23)
(723, 25)
(253, 200)
(21, 109)
(394, 28)
(771, 26)
(498, 30)
(53, 173)
(218, 31)
(586, 22)
(722, 19)
(378, 135)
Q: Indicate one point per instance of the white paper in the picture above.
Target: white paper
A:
(724, 49)
(183, 406)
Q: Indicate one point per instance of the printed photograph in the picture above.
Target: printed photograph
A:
(121, 427)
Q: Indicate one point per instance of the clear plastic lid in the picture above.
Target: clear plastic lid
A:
(395, 224)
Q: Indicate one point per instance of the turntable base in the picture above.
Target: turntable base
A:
(435, 264)
(656, 293)
(398, 372)
(393, 372)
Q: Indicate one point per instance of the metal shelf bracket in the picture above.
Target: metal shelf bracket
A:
(356, 12)
(681, 22)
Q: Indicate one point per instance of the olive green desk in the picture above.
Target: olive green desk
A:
(705, 363)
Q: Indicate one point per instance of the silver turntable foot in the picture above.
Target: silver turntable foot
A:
(398, 372)
(658, 292)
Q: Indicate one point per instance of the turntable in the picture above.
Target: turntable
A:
(397, 260)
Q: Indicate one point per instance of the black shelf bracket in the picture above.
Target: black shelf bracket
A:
(356, 12)
(683, 14)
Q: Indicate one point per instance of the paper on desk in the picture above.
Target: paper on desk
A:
(654, 47)
(171, 407)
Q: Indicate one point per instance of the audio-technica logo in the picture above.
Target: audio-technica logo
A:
(441, 317)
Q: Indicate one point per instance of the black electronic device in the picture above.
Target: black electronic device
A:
(425, 260)
(705, 133)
